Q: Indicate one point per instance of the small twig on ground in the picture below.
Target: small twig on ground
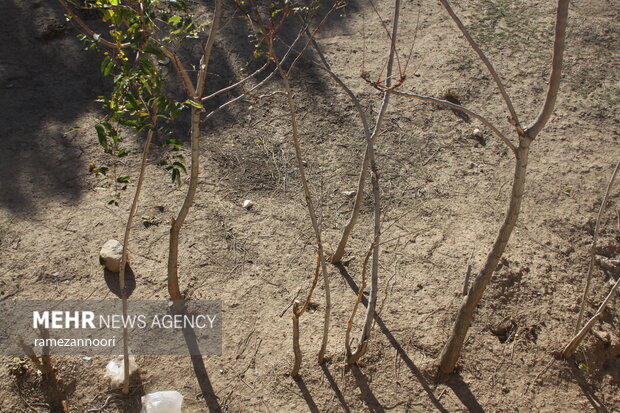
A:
(105, 404)
(543, 371)
(466, 280)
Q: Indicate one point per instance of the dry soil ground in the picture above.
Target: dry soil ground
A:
(444, 195)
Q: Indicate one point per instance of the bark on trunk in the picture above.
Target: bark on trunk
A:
(175, 227)
(450, 354)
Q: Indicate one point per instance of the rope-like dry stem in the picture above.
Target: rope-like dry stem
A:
(569, 350)
(121, 276)
(586, 289)
(310, 205)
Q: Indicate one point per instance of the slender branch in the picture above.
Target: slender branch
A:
(569, 350)
(556, 71)
(239, 83)
(296, 349)
(308, 196)
(352, 357)
(306, 30)
(369, 157)
(457, 107)
(348, 228)
(208, 48)
(187, 83)
(90, 32)
(362, 344)
(327, 68)
(258, 85)
(132, 213)
(487, 63)
(586, 289)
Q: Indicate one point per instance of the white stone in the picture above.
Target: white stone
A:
(247, 204)
(111, 254)
(477, 133)
(349, 193)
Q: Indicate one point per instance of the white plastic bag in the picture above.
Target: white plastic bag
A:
(116, 368)
(162, 402)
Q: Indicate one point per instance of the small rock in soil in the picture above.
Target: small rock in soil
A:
(111, 255)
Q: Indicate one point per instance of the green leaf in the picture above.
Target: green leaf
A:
(122, 179)
(175, 20)
(107, 65)
(194, 104)
(103, 140)
(180, 166)
(73, 129)
(176, 177)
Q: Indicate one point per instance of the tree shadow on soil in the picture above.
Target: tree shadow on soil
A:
(46, 83)
(200, 370)
(588, 391)
(367, 395)
(111, 279)
(306, 394)
(335, 388)
(460, 388)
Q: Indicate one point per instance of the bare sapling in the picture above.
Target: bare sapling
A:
(268, 29)
(580, 332)
(194, 94)
(308, 197)
(126, 237)
(139, 33)
(586, 289)
(362, 342)
(452, 350)
(371, 139)
(369, 163)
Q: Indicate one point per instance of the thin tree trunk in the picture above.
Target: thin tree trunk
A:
(369, 154)
(451, 352)
(586, 289)
(296, 348)
(121, 275)
(176, 224)
(310, 205)
(362, 344)
(297, 313)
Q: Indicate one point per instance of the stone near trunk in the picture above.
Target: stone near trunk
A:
(111, 254)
